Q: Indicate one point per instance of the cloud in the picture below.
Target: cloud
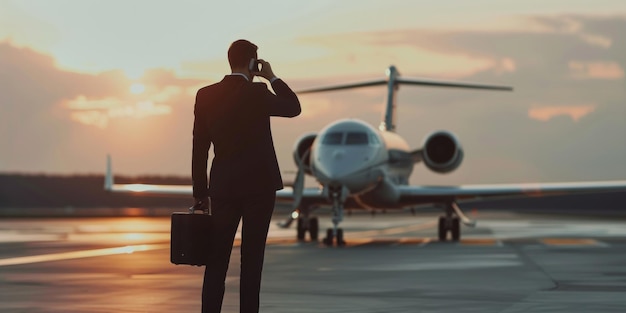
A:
(573, 25)
(91, 117)
(140, 110)
(97, 112)
(367, 53)
(82, 103)
(596, 70)
(546, 113)
(596, 40)
(53, 120)
(505, 65)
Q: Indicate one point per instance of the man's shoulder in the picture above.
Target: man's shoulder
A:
(227, 84)
(210, 87)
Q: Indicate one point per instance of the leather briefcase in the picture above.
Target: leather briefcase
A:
(190, 237)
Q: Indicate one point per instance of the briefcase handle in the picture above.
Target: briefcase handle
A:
(193, 209)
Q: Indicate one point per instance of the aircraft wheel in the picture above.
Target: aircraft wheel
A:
(340, 241)
(314, 228)
(443, 232)
(329, 237)
(456, 229)
(300, 231)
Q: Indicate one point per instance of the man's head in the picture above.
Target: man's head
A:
(240, 53)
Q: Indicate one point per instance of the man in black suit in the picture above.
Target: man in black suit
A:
(234, 115)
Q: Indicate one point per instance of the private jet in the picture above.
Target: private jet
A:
(359, 166)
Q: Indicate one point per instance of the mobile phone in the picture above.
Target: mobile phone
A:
(255, 65)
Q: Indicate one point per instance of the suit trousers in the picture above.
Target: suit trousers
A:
(255, 211)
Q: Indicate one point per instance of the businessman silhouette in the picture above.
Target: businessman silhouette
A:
(234, 114)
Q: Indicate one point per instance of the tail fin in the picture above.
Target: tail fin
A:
(393, 81)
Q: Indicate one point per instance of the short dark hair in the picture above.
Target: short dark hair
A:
(240, 53)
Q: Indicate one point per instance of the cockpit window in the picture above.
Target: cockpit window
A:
(333, 139)
(357, 138)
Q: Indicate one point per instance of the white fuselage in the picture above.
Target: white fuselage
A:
(352, 154)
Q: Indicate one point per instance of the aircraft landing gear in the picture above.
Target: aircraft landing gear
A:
(308, 224)
(335, 234)
(451, 222)
(330, 235)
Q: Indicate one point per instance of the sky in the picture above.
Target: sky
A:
(83, 79)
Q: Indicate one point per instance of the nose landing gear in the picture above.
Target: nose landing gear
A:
(335, 235)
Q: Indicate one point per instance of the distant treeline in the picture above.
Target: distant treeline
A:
(82, 191)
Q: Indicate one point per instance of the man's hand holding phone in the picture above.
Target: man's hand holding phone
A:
(265, 70)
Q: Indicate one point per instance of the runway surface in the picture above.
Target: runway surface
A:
(392, 263)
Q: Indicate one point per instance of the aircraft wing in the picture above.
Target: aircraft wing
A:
(285, 194)
(410, 195)
(151, 189)
(309, 195)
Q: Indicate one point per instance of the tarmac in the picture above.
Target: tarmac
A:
(392, 263)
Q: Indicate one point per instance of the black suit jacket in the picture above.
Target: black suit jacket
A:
(234, 115)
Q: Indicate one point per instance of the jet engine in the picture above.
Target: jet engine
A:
(442, 152)
(302, 151)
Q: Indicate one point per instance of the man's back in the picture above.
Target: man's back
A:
(234, 115)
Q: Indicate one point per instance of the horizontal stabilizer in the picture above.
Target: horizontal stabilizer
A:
(435, 83)
(379, 82)
(403, 81)
(392, 82)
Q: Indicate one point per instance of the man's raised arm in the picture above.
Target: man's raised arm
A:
(284, 103)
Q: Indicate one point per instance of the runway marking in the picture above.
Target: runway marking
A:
(480, 242)
(280, 241)
(17, 236)
(570, 242)
(393, 230)
(359, 242)
(563, 242)
(414, 241)
(80, 254)
(285, 241)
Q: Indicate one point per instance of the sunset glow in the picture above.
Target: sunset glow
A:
(77, 73)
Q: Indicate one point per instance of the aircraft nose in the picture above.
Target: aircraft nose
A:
(339, 164)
